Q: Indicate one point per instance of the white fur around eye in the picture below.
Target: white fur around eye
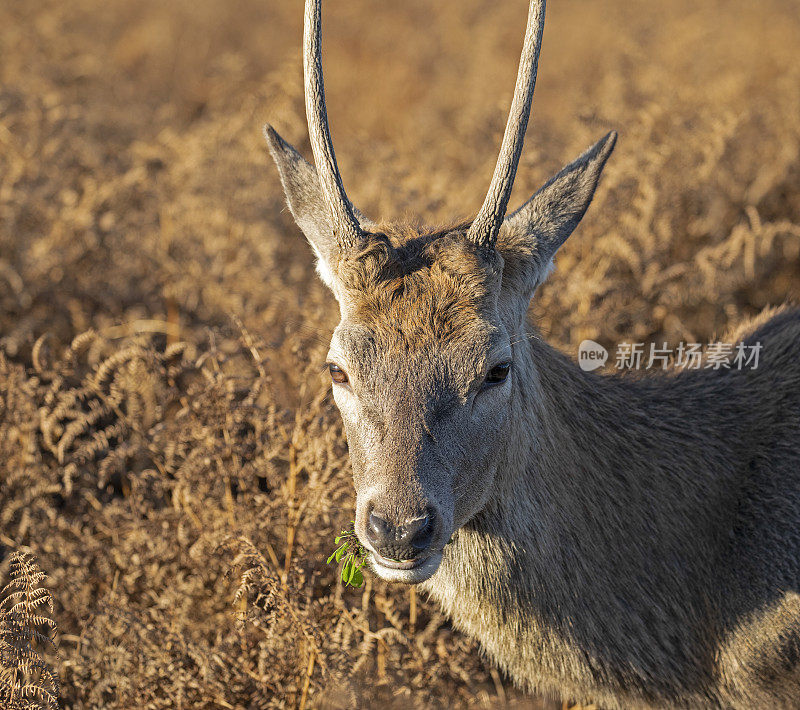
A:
(345, 400)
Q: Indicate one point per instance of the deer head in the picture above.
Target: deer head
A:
(423, 359)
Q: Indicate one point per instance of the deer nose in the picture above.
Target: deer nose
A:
(400, 542)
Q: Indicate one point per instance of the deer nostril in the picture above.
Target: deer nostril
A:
(379, 531)
(418, 533)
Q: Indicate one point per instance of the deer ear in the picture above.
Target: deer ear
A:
(529, 238)
(304, 196)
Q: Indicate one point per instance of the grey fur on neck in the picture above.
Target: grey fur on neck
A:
(624, 556)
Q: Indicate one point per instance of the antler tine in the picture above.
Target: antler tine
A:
(484, 229)
(345, 226)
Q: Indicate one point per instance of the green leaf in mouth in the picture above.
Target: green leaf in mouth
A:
(354, 555)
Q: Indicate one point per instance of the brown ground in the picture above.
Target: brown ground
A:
(137, 200)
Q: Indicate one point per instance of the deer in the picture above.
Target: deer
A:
(632, 541)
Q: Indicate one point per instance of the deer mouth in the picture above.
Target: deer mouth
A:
(406, 571)
(399, 564)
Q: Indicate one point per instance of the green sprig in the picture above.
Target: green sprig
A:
(354, 555)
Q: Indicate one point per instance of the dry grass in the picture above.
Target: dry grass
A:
(166, 437)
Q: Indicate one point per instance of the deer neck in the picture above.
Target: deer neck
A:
(601, 518)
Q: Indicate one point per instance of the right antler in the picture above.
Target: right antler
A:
(486, 225)
(346, 228)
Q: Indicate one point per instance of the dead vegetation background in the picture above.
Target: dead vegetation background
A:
(166, 436)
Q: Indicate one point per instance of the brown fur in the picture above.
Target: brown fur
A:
(420, 285)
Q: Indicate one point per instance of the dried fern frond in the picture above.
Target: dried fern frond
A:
(27, 682)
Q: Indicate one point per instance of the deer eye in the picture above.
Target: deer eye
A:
(338, 375)
(498, 373)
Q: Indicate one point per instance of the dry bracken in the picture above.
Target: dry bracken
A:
(27, 681)
(139, 214)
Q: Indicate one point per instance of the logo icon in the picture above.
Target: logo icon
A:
(591, 355)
